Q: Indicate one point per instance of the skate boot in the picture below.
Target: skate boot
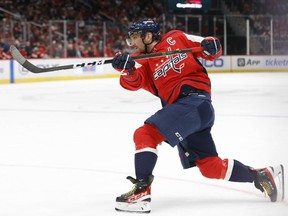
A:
(138, 198)
(265, 181)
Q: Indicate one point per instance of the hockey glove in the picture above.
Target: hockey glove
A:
(124, 63)
(211, 46)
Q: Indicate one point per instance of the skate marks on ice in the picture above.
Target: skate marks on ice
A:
(58, 154)
(45, 190)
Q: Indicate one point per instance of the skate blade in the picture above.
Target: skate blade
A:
(278, 175)
(137, 207)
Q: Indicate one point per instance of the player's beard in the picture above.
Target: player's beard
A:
(138, 50)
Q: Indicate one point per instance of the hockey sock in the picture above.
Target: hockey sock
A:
(145, 161)
(238, 172)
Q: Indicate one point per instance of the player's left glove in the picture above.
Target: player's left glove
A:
(212, 46)
(124, 63)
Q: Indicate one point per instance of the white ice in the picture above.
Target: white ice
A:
(66, 148)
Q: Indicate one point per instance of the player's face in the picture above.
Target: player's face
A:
(136, 42)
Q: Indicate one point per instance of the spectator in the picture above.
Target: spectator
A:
(71, 51)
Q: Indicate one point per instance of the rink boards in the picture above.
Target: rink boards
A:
(12, 72)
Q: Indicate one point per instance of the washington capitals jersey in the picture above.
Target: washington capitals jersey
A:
(164, 76)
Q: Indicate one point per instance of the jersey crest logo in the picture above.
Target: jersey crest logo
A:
(170, 64)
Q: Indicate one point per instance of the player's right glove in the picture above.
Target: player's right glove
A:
(212, 46)
(124, 63)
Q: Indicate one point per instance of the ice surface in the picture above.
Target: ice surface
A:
(66, 147)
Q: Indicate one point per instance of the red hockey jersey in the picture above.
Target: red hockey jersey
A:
(164, 76)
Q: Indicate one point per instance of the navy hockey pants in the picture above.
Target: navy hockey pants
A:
(188, 121)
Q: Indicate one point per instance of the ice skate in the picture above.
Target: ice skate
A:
(138, 198)
(270, 180)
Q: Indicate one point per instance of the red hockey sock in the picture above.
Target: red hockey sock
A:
(227, 169)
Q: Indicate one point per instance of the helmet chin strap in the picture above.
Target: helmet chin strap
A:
(146, 44)
(146, 48)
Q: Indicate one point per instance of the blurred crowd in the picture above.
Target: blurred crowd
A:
(267, 7)
(90, 28)
(85, 26)
(260, 12)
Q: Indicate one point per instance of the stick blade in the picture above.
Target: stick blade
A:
(23, 61)
(17, 55)
(31, 67)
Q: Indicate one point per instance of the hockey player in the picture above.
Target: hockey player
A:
(187, 116)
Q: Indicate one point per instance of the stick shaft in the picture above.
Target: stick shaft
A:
(34, 69)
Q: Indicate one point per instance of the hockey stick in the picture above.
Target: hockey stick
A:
(34, 69)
